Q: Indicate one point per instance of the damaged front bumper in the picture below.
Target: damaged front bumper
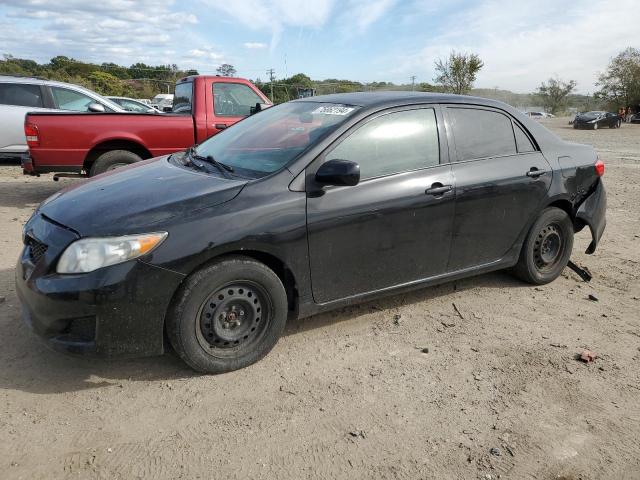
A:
(592, 212)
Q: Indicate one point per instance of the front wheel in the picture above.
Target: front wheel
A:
(228, 315)
(547, 248)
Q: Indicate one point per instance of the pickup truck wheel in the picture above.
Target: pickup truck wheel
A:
(112, 160)
(547, 248)
(227, 315)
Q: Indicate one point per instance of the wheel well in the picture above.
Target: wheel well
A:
(567, 207)
(274, 263)
(103, 147)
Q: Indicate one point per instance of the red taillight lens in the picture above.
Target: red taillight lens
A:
(31, 132)
(600, 168)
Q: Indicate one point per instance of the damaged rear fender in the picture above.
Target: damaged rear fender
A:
(592, 212)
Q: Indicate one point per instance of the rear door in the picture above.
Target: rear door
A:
(231, 103)
(501, 181)
(394, 227)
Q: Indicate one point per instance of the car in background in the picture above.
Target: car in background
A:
(19, 95)
(635, 118)
(539, 115)
(597, 119)
(163, 102)
(132, 105)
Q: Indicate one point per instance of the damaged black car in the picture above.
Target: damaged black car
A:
(304, 207)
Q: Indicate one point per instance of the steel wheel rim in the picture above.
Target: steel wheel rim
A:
(236, 316)
(548, 247)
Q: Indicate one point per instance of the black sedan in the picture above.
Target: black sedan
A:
(305, 207)
(596, 119)
(635, 118)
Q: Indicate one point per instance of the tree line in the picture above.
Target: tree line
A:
(619, 84)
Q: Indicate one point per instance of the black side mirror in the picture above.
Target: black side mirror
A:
(259, 107)
(96, 107)
(338, 172)
(167, 109)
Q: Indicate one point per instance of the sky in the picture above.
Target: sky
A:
(521, 43)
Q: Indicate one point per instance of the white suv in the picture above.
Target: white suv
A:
(19, 95)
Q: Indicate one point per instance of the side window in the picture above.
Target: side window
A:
(233, 99)
(65, 99)
(392, 143)
(481, 133)
(522, 141)
(20, 94)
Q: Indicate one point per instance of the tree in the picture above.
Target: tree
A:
(226, 70)
(457, 73)
(620, 84)
(554, 93)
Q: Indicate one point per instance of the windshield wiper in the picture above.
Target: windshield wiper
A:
(223, 167)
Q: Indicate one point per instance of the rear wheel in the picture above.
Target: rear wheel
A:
(547, 248)
(112, 160)
(228, 315)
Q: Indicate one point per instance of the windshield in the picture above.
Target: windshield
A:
(266, 142)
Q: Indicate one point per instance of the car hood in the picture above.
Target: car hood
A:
(137, 198)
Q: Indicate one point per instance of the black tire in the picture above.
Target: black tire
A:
(112, 160)
(227, 315)
(547, 248)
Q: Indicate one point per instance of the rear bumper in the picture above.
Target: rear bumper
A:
(592, 212)
(27, 164)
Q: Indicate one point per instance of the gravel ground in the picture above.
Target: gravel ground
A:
(472, 379)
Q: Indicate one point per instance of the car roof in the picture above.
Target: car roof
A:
(390, 98)
(36, 81)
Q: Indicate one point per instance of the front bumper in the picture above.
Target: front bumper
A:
(114, 311)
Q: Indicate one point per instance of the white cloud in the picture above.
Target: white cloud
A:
(525, 43)
(364, 13)
(255, 45)
(121, 31)
(276, 15)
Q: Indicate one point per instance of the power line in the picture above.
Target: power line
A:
(413, 82)
(272, 76)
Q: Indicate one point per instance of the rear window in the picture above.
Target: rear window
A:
(183, 98)
(481, 133)
(20, 94)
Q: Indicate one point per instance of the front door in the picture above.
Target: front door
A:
(394, 227)
(501, 181)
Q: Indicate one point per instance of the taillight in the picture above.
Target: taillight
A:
(31, 132)
(600, 168)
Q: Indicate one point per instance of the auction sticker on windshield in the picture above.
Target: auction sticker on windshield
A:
(332, 110)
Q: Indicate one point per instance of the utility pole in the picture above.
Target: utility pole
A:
(413, 82)
(272, 75)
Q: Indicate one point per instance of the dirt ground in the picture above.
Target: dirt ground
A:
(351, 394)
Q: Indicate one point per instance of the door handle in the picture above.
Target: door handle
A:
(438, 189)
(535, 173)
(220, 126)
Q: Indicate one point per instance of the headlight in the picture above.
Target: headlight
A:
(89, 254)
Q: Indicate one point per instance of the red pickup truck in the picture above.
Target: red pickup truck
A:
(92, 143)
